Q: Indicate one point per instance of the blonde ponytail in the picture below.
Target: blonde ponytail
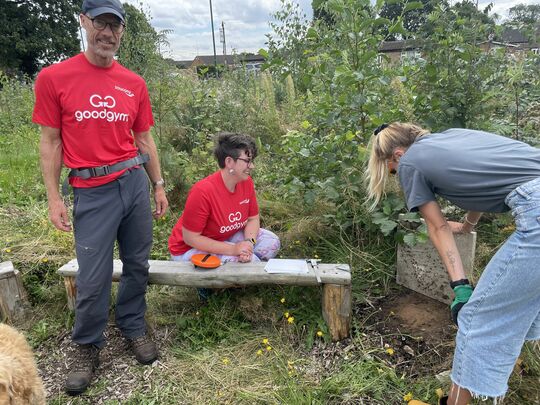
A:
(382, 146)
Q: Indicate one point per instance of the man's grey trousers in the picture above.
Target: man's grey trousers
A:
(116, 211)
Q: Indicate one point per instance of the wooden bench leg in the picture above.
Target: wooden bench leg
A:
(71, 291)
(337, 308)
(14, 305)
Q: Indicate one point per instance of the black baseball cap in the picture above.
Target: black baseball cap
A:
(93, 8)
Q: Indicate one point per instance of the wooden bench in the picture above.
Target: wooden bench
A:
(334, 278)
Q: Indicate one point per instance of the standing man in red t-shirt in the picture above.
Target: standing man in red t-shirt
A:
(95, 115)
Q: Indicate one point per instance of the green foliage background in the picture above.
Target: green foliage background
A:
(312, 110)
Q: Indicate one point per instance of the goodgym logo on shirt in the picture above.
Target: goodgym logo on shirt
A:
(234, 218)
(101, 111)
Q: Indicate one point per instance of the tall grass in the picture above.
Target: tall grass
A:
(211, 354)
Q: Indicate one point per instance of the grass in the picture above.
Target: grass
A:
(210, 354)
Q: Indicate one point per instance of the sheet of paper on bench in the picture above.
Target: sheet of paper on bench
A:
(289, 266)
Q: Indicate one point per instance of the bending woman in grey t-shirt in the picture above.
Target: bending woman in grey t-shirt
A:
(479, 172)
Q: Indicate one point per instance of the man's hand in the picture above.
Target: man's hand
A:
(161, 202)
(59, 216)
(463, 293)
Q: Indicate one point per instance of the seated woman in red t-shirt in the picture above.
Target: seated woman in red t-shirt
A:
(221, 215)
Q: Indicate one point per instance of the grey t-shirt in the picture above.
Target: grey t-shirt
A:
(474, 170)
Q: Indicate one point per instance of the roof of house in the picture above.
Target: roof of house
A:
(229, 59)
(392, 46)
(513, 36)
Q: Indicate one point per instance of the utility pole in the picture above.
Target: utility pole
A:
(213, 36)
(222, 37)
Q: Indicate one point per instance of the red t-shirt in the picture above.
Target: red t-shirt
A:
(96, 109)
(214, 211)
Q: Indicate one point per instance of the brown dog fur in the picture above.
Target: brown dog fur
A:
(19, 380)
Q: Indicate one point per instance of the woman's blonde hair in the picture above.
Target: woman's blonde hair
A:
(382, 146)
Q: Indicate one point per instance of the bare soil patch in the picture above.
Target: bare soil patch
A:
(415, 332)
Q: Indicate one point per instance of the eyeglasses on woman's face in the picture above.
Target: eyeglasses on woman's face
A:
(248, 161)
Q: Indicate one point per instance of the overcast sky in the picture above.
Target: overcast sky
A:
(246, 23)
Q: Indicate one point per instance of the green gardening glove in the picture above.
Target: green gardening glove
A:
(463, 293)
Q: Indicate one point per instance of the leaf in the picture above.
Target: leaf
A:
(410, 239)
(397, 28)
(312, 33)
(387, 226)
(410, 216)
(305, 124)
(422, 237)
(415, 5)
(381, 21)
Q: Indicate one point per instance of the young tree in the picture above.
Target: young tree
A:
(414, 18)
(140, 50)
(525, 18)
(35, 33)
(527, 14)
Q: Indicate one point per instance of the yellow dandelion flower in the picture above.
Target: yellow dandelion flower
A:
(316, 256)
(226, 360)
(407, 397)
(297, 242)
(282, 300)
(44, 260)
(286, 314)
(439, 392)
(265, 341)
(290, 319)
(7, 250)
(320, 333)
(390, 351)
(290, 373)
(268, 348)
(259, 352)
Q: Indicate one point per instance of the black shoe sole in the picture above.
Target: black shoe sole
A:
(76, 391)
(147, 362)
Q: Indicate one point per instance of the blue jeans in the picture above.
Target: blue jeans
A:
(504, 310)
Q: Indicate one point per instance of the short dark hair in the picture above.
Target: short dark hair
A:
(232, 144)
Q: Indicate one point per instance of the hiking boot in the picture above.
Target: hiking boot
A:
(144, 349)
(83, 365)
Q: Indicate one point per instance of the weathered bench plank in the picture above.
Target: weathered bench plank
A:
(335, 278)
(229, 275)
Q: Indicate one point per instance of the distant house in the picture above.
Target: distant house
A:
(250, 61)
(513, 40)
(400, 51)
(410, 50)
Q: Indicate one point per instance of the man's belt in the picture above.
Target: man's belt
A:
(99, 171)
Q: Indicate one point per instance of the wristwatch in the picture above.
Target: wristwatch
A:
(463, 281)
(160, 182)
(252, 240)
